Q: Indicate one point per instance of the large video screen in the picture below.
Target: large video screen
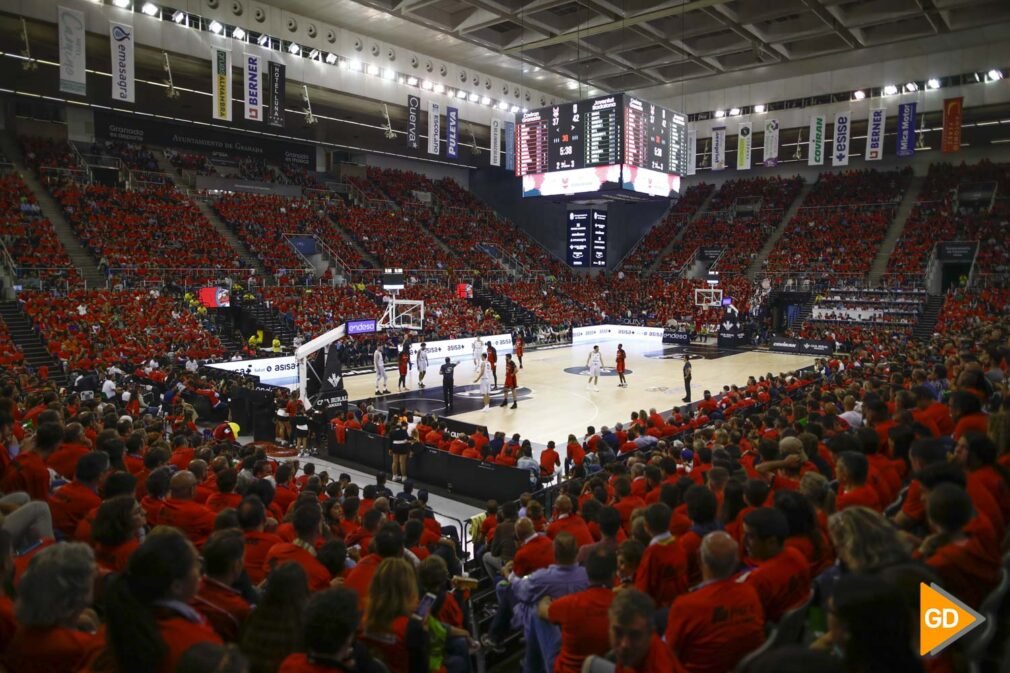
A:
(589, 145)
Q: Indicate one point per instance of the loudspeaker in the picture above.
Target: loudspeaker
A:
(263, 412)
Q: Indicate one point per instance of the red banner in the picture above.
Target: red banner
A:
(953, 114)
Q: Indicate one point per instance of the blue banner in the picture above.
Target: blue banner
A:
(510, 146)
(452, 132)
(906, 130)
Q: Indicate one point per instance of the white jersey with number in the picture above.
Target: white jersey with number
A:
(422, 360)
(377, 361)
(485, 372)
(596, 359)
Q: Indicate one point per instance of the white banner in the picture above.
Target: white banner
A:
(434, 127)
(495, 142)
(220, 64)
(121, 48)
(461, 349)
(252, 67)
(692, 151)
(719, 148)
(744, 142)
(72, 38)
(875, 134)
(816, 142)
(281, 371)
(771, 143)
(616, 332)
(840, 146)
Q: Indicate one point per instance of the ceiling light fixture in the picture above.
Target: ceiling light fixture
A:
(890, 90)
(932, 83)
(486, 100)
(179, 16)
(994, 75)
(734, 111)
(911, 86)
(355, 65)
(389, 74)
(461, 94)
(427, 85)
(293, 48)
(859, 94)
(719, 114)
(373, 70)
(150, 9)
(238, 33)
(331, 58)
(122, 4)
(314, 54)
(503, 106)
(439, 88)
(412, 81)
(759, 108)
(215, 27)
(263, 40)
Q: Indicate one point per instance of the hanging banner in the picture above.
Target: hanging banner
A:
(743, 147)
(121, 46)
(815, 157)
(72, 68)
(718, 148)
(953, 114)
(840, 146)
(253, 100)
(221, 84)
(875, 134)
(692, 152)
(434, 127)
(510, 146)
(496, 142)
(906, 130)
(275, 93)
(771, 143)
(452, 132)
(413, 113)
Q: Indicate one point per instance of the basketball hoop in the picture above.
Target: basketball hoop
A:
(708, 297)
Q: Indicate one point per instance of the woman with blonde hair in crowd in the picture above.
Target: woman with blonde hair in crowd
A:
(394, 632)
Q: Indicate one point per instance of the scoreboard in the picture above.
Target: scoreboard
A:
(642, 145)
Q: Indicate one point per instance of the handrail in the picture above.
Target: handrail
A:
(463, 537)
(308, 264)
(59, 170)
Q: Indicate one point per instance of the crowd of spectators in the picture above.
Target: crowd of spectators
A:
(254, 168)
(395, 237)
(653, 243)
(192, 162)
(133, 156)
(30, 238)
(300, 175)
(316, 310)
(47, 153)
(10, 354)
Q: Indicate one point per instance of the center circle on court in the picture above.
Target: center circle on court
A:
(584, 371)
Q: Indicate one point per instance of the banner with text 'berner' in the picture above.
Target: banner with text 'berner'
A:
(840, 145)
(121, 45)
(875, 134)
(816, 143)
(253, 91)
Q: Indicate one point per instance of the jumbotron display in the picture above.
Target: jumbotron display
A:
(609, 142)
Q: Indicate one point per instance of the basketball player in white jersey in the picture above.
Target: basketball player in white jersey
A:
(595, 363)
(422, 364)
(380, 371)
(478, 348)
(484, 379)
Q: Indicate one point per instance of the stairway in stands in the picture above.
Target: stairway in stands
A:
(702, 209)
(249, 260)
(30, 343)
(267, 319)
(511, 314)
(759, 259)
(927, 321)
(894, 232)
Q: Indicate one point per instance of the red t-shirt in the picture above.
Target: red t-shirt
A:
(862, 495)
(659, 659)
(977, 422)
(257, 546)
(966, 569)
(533, 555)
(224, 608)
(585, 626)
(782, 582)
(361, 576)
(115, 559)
(194, 520)
(286, 552)
(662, 572)
(69, 504)
(715, 625)
(65, 459)
(28, 473)
(50, 650)
(220, 501)
(574, 524)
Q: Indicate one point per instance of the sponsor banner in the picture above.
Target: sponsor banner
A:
(692, 152)
(906, 130)
(413, 114)
(599, 240)
(253, 91)
(215, 297)
(452, 132)
(840, 145)
(364, 326)
(332, 385)
(815, 157)
(875, 134)
(121, 46)
(461, 349)
(671, 336)
(616, 332)
(221, 83)
(771, 143)
(495, 142)
(276, 86)
(744, 141)
(510, 146)
(434, 127)
(956, 251)
(72, 38)
(953, 114)
(578, 238)
(718, 148)
(808, 346)
(141, 131)
(274, 371)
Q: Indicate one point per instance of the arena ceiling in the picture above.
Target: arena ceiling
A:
(574, 47)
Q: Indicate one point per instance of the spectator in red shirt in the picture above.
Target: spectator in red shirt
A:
(636, 647)
(252, 518)
(535, 551)
(582, 616)
(217, 600)
(64, 460)
(308, 523)
(225, 496)
(331, 619)
(28, 471)
(569, 521)
(116, 532)
(71, 502)
(663, 570)
(966, 411)
(976, 453)
(927, 406)
(549, 461)
(181, 511)
(852, 470)
(149, 623)
(717, 623)
(782, 575)
(388, 544)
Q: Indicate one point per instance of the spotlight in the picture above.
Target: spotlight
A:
(759, 108)
(525, 110)
(179, 16)
(719, 114)
(474, 98)
(933, 83)
(890, 90)
(994, 75)
(427, 85)
(150, 9)
(859, 94)
(461, 94)
(734, 111)
(355, 65)
(503, 106)
(402, 80)
(215, 27)
(515, 108)
(373, 70)
(238, 33)
(263, 40)
(314, 54)
(439, 88)
(331, 58)
(412, 81)
(293, 48)
(911, 86)
(389, 74)
(123, 4)
(485, 100)
(573, 85)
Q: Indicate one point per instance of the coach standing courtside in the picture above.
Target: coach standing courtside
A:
(446, 371)
(687, 379)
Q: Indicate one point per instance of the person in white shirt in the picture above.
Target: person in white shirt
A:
(851, 416)
(422, 364)
(478, 350)
(380, 372)
(108, 389)
(484, 379)
(595, 363)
